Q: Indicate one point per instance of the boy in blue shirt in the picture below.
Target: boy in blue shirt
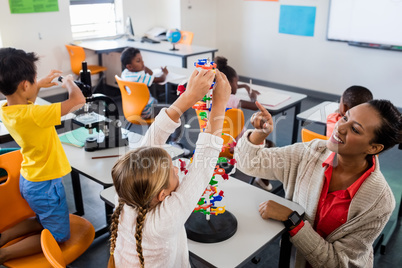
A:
(44, 161)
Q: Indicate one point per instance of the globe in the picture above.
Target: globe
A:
(173, 36)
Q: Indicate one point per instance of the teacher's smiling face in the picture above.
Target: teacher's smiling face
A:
(354, 132)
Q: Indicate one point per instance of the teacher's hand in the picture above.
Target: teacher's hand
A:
(273, 210)
(263, 124)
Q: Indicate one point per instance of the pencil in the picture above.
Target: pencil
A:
(105, 156)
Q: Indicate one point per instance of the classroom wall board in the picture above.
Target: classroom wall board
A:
(248, 36)
(366, 21)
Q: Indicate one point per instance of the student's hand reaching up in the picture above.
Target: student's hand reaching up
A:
(198, 85)
(263, 124)
(220, 97)
(222, 91)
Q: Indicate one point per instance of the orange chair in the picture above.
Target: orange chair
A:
(186, 38)
(51, 249)
(134, 97)
(77, 56)
(232, 125)
(308, 135)
(17, 209)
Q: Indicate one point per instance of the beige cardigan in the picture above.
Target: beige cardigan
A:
(299, 168)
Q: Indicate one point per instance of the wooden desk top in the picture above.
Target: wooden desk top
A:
(253, 232)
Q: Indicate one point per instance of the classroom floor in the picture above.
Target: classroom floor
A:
(98, 253)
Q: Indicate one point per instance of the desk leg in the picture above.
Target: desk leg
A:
(79, 205)
(108, 212)
(167, 87)
(184, 62)
(285, 251)
(296, 123)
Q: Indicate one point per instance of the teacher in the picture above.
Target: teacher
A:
(338, 182)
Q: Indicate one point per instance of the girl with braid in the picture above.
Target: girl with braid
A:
(147, 227)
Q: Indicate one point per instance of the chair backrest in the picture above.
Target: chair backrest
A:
(77, 56)
(308, 135)
(11, 202)
(186, 38)
(232, 125)
(51, 249)
(134, 97)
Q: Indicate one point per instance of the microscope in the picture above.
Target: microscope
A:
(108, 124)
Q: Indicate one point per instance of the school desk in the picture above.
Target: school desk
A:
(5, 135)
(253, 232)
(154, 55)
(318, 114)
(98, 170)
(276, 101)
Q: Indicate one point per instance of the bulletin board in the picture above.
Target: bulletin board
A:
(375, 23)
(33, 6)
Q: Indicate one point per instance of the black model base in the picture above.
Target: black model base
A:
(217, 229)
(174, 48)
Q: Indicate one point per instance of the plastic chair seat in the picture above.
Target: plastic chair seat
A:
(232, 125)
(186, 37)
(77, 56)
(17, 209)
(82, 236)
(134, 102)
(95, 69)
(308, 135)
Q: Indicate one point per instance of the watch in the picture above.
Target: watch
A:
(293, 220)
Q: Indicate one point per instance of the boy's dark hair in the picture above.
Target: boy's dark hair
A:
(222, 65)
(389, 133)
(356, 95)
(16, 66)
(128, 54)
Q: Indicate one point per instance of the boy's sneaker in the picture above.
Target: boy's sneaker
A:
(264, 183)
(186, 152)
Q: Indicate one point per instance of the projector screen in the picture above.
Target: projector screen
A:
(366, 21)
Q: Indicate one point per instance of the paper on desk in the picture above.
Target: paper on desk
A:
(77, 137)
(170, 76)
(268, 98)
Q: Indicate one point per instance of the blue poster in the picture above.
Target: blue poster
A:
(297, 20)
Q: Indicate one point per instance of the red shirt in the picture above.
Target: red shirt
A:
(331, 121)
(333, 208)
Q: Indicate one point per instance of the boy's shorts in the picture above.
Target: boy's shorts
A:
(48, 200)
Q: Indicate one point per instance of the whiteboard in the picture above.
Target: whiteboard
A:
(366, 21)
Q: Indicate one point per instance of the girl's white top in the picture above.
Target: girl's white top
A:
(164, 239)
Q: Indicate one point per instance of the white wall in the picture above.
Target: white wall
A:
(200, 17)
(247, 34)
(44, 33)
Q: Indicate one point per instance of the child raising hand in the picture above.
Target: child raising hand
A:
(148, 224)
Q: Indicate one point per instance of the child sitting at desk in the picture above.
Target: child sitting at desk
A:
(350, 98)
(136, 71)
(231, 74)
(148, 223)
(44, 161)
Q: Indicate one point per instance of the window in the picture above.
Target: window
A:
(93, 19)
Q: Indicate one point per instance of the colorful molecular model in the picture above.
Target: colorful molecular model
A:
(211, 195)
(207, 203)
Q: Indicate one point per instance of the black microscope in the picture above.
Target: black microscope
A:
(89, 116)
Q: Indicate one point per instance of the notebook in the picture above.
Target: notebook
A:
(77, 137)
(268, 98)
